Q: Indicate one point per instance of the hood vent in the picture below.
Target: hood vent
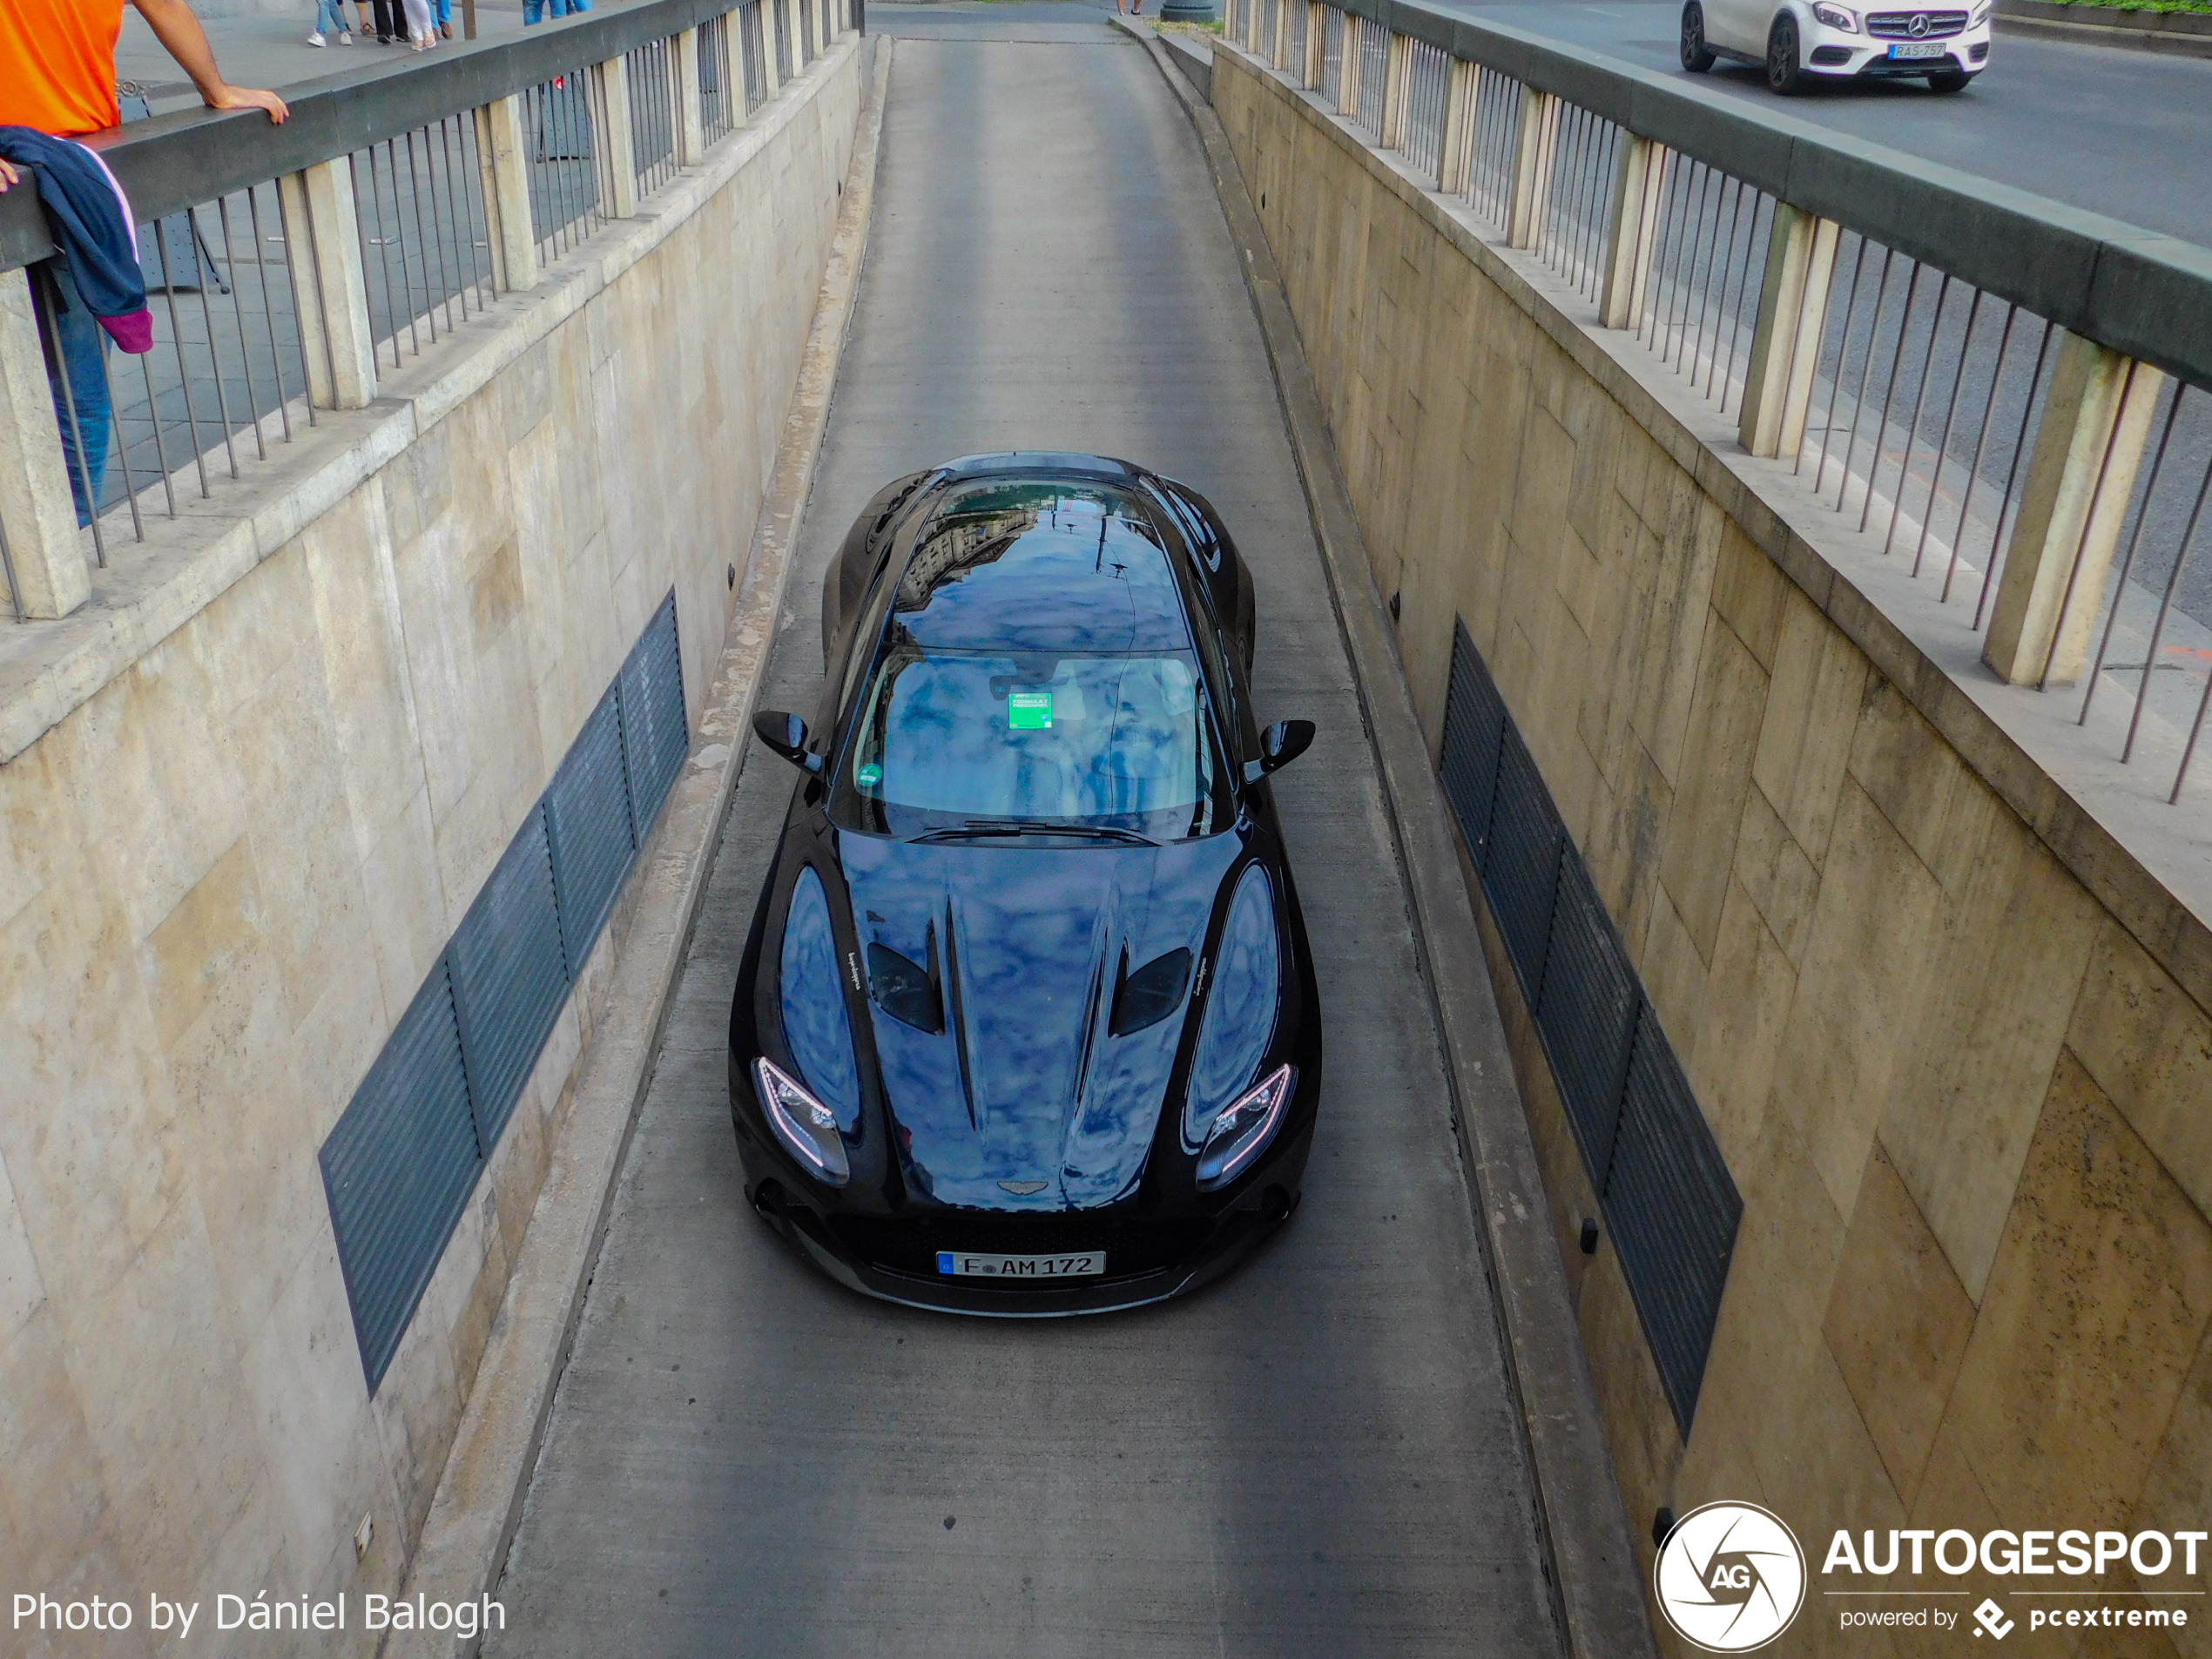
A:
(904, 991)
(1150, 994)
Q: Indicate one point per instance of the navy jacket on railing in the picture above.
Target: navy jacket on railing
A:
(92, 221)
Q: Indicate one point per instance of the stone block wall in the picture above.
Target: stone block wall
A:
(1969, 1112)
(224, 874)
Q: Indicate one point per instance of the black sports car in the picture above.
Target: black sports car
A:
(1027, 1022)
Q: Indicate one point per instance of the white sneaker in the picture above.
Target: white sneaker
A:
(314, 40)
(347, 38)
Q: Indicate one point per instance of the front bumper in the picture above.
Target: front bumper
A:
(1220, 1247)
(1831, 54)
(1150, 1257)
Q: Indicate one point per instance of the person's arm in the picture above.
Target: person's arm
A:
(176, 28)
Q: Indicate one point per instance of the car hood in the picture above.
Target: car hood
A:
(1025, 1100)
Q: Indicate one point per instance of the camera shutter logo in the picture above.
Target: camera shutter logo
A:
(1729, 1577)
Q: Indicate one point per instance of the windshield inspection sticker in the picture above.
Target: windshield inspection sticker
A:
(1029, 710)
(869, 775)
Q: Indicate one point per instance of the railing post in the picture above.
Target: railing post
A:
(1394, 109)
(38, 514)
(1785, 338)
(618, 149)
(1636, 191)
(690, 117)
(1532, 166)
(1461, 85)
(770, 75)
(1317, 42)
(502, 151)
(1278, 50)
(329, 294)
(2096, 419)
(1348, 58)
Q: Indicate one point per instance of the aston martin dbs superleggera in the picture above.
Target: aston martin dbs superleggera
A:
(1027, 1022)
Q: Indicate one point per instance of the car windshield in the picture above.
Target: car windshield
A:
(953, 741)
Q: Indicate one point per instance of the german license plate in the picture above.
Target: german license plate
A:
(1919, 49)
(965, 1264)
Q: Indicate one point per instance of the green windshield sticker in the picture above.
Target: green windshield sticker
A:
(1029, 710)
(869, 775)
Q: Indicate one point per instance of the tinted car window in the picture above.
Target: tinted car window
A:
(959, 735)
(1037, 665)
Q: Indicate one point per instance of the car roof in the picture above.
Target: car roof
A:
(1038, 561)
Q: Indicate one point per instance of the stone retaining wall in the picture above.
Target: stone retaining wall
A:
(1966, 1107)
(225, 872)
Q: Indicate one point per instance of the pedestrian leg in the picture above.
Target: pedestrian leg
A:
(78, 350)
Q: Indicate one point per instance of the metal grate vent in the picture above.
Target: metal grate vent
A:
(1655, 1167)
(587, 813)
(400, 1163)
(509, 975)
(1521, 872)
(397, 1170)
(1587, 1013)
(654, 735)
(1474, 724)
(1674, 1212)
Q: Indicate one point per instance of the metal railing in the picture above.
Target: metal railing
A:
(289, 267)
(2008, 400)
(1698, 304)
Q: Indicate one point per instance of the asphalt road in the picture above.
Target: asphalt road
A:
(2115, 130)
(1316, 1455)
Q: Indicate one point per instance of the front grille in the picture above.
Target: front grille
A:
(910, 1245)
(1898, 25)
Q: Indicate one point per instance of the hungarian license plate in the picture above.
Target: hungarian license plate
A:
(967, 1264)
(1919, 49)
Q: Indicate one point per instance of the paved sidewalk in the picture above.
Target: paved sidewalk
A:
(271, 49)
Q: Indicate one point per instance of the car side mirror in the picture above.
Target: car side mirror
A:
(1279, 745)
(786, 735)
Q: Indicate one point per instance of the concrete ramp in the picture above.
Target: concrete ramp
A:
(1318, 1455)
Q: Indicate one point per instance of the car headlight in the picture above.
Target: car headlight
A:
(1242, 1130)
(802, 1124)
(1836, 17)
(1980, 16)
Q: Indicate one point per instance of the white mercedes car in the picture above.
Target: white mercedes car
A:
(1800, 41)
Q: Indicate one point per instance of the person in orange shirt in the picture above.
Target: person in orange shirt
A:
(58, 77)
(60, 58)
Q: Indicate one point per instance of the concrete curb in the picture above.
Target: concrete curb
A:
(463, 1553)
(2177, 34)
(1582, 1529)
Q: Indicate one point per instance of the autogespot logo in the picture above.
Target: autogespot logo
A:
(1730, 1577)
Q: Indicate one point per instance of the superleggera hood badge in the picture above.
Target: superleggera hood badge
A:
(1022, 1189)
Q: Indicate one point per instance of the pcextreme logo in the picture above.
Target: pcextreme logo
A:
(1729, 1577)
